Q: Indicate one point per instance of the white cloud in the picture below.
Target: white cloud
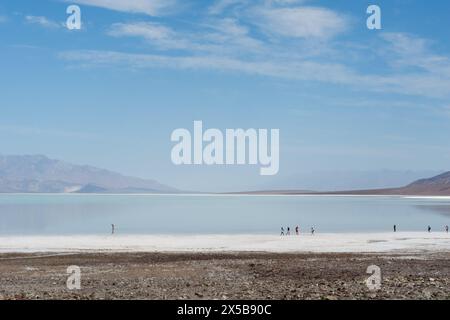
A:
(42, 21)
(406, 44)
(230, 26)
(301, 22)
(303, 70)
(230, 44)
(148, 30)
(232, 37)
(286, 17)
(148, 7)
(157, 34)
(220, 35)
(284, 2)
(221, 5)
(415, 52)
(300, 70)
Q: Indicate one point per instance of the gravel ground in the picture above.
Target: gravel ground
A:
(224, 276)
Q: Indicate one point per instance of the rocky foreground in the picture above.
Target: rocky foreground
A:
(224, 276)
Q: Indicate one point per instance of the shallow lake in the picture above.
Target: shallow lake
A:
(43, 214)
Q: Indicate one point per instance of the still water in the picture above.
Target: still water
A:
(222, 214)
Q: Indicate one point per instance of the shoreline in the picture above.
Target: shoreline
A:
(400, 242)
(237, 194)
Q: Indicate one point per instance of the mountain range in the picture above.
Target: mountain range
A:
(40, 174)
(435, 186)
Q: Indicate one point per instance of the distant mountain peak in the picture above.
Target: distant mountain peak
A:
(39, 173)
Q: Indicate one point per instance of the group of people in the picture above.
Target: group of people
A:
(297, 231)
(429, 228)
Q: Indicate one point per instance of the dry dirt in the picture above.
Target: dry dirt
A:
(224, 276)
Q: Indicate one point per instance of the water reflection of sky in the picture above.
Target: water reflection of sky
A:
(92, 214)
(443, 209)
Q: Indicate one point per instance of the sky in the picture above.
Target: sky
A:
(345, 98)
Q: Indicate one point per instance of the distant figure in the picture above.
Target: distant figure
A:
(312, 231)
(446, 229)
(282, 231)
(429, 228)
(113, 228)
(395, 228)
(288, 231)
(296, 230)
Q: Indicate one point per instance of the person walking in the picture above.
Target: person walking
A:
(113, 228)
(288, 231)
(282, 231)
(312, 231)
(297, 230)
(446, 228)
(395, 228)
(429, 228)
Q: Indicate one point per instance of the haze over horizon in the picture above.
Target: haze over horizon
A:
(369, 105)
(39, 173)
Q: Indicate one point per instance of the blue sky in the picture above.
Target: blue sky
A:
(345, 98)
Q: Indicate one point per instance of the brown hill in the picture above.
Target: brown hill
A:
(435, 186)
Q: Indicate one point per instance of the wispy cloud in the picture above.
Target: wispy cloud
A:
(427, 85)
(157, 34)
(411, 51)
(220, 35)
(299, 70)
(296, 43)
(230, 32)
(289, 18)
(237, 33)
(300, 22)
(148, 7)
(42, 21)
(219, 6)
